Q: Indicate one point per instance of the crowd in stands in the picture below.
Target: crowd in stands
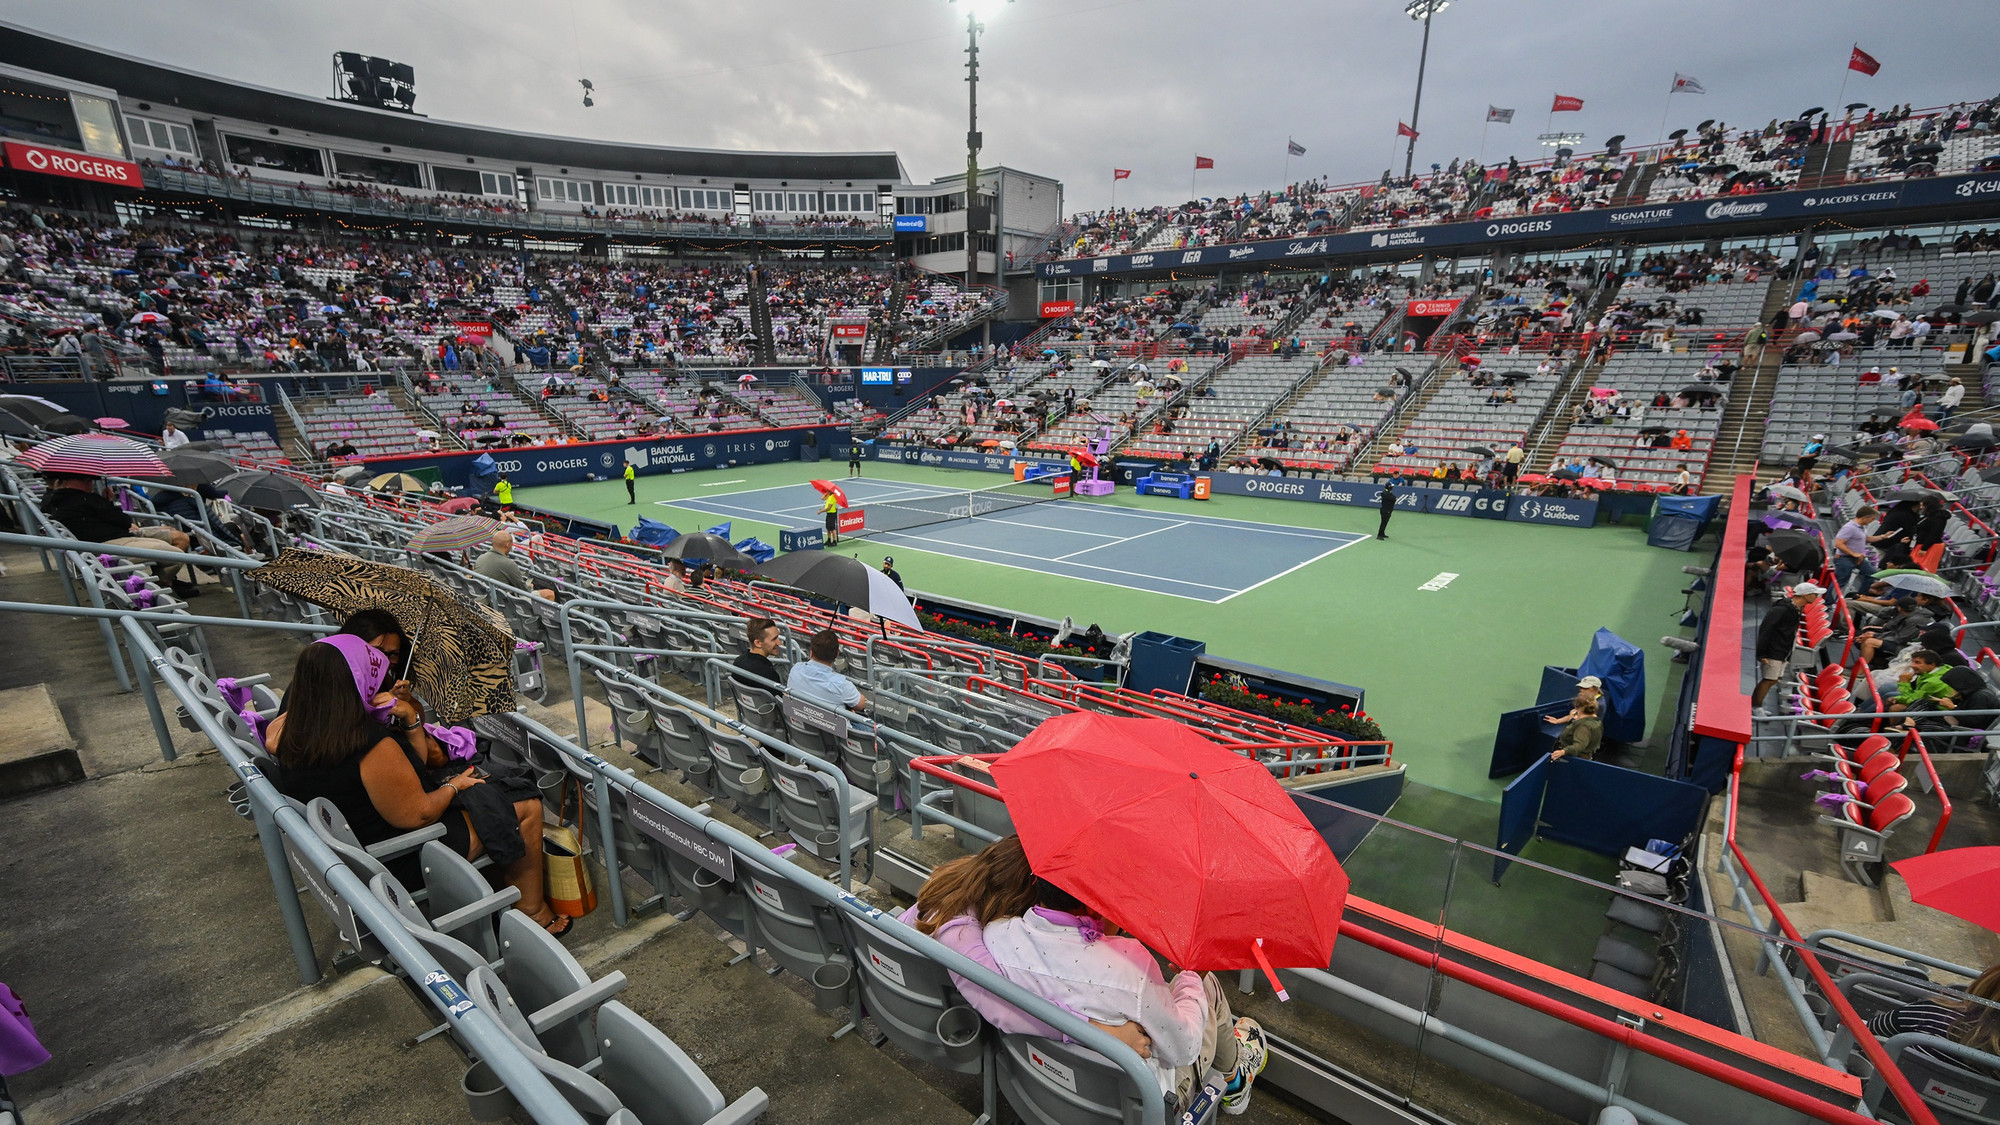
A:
(1716, 159)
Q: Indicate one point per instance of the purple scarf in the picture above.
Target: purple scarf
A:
(369, 665)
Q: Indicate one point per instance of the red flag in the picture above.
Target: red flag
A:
(1121, 173)
(1201, 162)
(1862, 61)
(1403, 130)
(1566, 104)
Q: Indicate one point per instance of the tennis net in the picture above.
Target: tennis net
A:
(923, 511)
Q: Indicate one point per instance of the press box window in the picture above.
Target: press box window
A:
(707, 199)
(496, 183)
(849, 202)
(570, 191)
(163, 135)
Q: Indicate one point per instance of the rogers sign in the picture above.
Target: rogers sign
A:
(75, 165)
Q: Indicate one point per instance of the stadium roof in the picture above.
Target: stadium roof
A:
(138, 79)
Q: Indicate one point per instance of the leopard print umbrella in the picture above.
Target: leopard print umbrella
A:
(463, 660)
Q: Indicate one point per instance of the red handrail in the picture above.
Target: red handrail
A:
(1944, 799)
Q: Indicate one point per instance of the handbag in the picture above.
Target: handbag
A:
(565, 876)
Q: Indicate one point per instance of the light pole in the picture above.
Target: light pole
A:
(1420, 10)
(973, 141)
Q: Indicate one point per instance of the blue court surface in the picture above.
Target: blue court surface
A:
(1203, 558)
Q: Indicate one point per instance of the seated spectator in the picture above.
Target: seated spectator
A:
(816, 681)
(498, 564)
(1583, 735)
(1967, 1021)
(369, 753)
(94, 517)
(765, 639)
(1064, 953)
(1923, 682)
(963, 896)
(1912, 615)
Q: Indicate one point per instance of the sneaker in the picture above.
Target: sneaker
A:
(1251, 1055)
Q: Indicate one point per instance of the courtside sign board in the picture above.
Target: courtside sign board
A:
(1482, 503)
(75, 165)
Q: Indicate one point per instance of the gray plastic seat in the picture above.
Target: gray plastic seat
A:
(1630, 958)
(685, 742)
(912, 999)
(1050, 1083)
(632, 718)
(802, 935)
(809, 805)
(331, 827)
(541, 974)
(462, 903)
(657, 1080)
(757, 707)
(742, 778)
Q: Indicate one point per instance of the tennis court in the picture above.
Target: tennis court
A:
(1202, 558)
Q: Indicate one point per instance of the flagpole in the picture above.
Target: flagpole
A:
(1482, 137)
(1668, 111)
(1826, 149)
(1114, 189)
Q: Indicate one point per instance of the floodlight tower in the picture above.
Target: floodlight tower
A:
(974, 9)
(1420, 10)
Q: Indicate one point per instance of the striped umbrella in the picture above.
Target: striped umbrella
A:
(454, 534)
(95, 455)
(396, 482)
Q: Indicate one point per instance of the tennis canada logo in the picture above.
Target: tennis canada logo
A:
(769, 445)
(708, 450)
(606, 460)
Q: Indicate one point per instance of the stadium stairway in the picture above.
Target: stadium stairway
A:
(760, 319)
(1433, 378)
(1546, 439)
(290, 441)
(1744, 415)
(892, 321)
(1635, 185)
(1825, 164)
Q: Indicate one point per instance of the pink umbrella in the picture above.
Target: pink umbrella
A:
(1602, 392)
(112, 423)
(747, 379)
(149, 318)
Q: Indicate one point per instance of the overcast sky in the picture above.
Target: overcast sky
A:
(1073, 88)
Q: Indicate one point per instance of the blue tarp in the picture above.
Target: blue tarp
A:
(1698, 508)
(1520, 809)
(721, 530)
(484, 473)
(1675, 533)
(1622, 667)
(653, 533)
(757, 549)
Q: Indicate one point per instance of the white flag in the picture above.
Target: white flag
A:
(1687, 84)
(1503, 116)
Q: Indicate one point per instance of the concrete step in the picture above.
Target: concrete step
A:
(37, 750)
(1833, 893)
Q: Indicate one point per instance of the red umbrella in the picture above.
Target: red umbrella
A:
(1915, 420)
(828, 488)
(1958, 881)
(1193, 849)
(1084, 457)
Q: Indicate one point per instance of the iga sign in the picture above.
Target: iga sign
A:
(1058, 308)
(1433, 308)
(75, 165)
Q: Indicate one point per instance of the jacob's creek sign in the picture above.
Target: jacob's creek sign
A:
(75, 165)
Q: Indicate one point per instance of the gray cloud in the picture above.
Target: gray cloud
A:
(1073, 89)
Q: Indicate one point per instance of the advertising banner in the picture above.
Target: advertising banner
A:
(1057, 308)
(853, 520)
(75, 165)
(1481, 503)
(1433, 308)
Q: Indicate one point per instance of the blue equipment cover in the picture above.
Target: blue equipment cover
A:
(1675, 533)
(1622, 667)
(1698, 508)
(757, 549)
(653, 533)
(1522, 737)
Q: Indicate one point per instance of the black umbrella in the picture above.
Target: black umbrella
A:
(1986, 316)
(35, 409)
(843, 579)
(1812, 111)
(1479, 449)
(1405, 373)
(10, 426)
(1852, 106)
(1837, 460)
(1567, 474)
(1796, 550)
(1271, 463)
(269, 491)
(1908, 495)
(1604, 461)
(1974, 441)
(1694, 389)
(1514, 376)
(1991, 476)
(709, 548)
(1653, 429)
(191, 469)
(1877, 448)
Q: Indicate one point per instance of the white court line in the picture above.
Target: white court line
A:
(721, 483)
(1086, 566)
(1308, 562)
(1264, 528)
(904, 541)
(1120, 543)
